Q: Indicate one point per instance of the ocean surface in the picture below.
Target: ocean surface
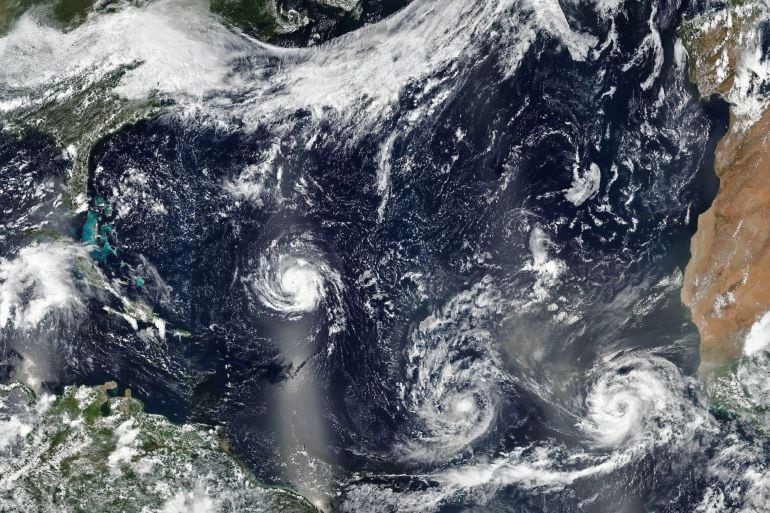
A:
(431, 265)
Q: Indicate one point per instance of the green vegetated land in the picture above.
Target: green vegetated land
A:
(91, 449)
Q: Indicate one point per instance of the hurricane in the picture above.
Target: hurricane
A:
(295, 286)
(453, 379)
(292, 279)
(636, 401)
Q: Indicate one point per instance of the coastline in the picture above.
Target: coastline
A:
(727, 280)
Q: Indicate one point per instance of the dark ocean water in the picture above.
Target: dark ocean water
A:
(466, 312)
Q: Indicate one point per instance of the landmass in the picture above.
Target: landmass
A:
(90, 449)
(727, 281)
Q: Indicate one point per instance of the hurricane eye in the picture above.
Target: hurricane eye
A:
(464, 406)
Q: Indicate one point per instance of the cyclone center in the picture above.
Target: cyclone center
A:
(303, 283)
(464, 405)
